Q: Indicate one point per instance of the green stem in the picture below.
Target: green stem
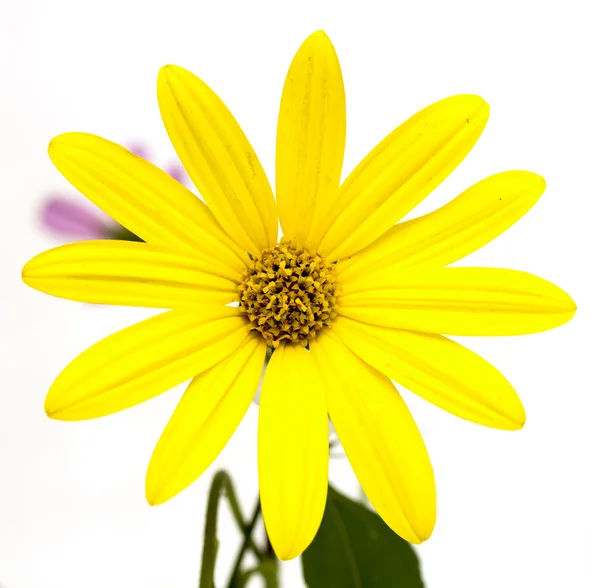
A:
(220, 482)
(267, 569)
(237, 513)
(211, 543)
(233, 579)
(269, 572)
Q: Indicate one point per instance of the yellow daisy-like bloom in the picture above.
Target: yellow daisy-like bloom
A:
(348, 298)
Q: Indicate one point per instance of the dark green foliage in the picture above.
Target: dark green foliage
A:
(354, 548)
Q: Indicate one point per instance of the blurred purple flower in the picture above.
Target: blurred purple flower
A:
(78, 221)
(139, 150)
(75, 220)
(177, 172)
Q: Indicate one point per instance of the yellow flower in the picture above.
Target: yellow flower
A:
(348, 298)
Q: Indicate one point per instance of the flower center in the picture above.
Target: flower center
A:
(288, 293)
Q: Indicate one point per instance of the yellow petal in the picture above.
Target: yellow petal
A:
(464, 225)
(131, 274)
(458, 301)
(439, 370)
(144, 360)
(311, 134)
(218, 158)
(207, 415)
(380, 438)
(293, 450)
(141, 197)
(401, 171)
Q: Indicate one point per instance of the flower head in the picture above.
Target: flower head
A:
(289, 294)
(348, 299)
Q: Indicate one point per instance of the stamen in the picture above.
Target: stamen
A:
(288, 293)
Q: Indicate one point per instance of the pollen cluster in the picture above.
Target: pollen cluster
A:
(287, 293)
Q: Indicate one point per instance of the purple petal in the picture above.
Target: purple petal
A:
(140, 150)
(177, 172)
(74, 220)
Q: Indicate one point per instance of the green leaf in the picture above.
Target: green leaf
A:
(354, 548)
(122, 234)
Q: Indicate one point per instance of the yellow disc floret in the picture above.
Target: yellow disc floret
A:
(288, 293)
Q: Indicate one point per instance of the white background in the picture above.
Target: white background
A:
(515, 509)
